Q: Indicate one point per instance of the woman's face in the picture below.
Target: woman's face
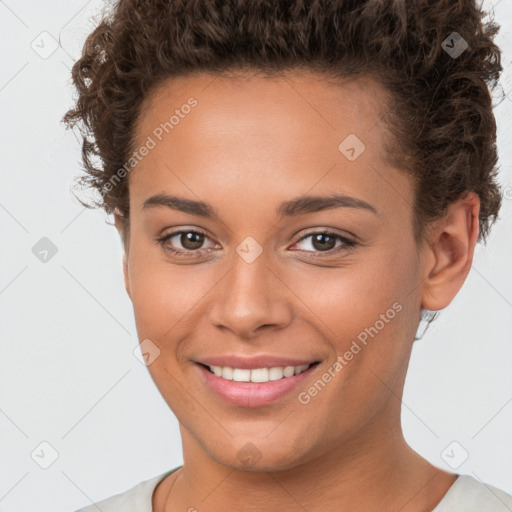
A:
(250, 165)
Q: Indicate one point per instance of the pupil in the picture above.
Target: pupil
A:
(319, 241)
(192, 240)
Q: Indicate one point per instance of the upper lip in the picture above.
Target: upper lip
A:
(249, 363)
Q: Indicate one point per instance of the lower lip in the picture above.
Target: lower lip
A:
(253, 394)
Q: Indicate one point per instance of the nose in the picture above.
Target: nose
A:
(251, 298)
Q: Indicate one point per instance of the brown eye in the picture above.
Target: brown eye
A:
(191, 240)
(325, 242)
(185, 243)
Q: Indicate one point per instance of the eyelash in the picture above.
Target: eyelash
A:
(348, 244)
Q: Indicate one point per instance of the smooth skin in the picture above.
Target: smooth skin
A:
(251, 144)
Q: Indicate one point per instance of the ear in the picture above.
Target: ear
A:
(450, 247)
(121, 226)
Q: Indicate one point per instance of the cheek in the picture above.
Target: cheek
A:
(353, 297)
(367, 313)
(163, 295)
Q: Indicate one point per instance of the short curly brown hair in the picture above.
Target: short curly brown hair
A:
(436, 58)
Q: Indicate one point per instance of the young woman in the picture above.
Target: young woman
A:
(295, 185)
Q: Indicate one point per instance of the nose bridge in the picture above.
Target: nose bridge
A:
(249, 295)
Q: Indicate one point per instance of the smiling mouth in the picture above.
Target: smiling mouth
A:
(260, 375)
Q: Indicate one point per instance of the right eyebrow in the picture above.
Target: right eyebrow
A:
(180, 203)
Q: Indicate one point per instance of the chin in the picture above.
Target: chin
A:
(258, 455)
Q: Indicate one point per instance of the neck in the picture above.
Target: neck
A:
(372, 469)
(377, 471)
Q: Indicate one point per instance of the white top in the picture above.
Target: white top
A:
(465, 495)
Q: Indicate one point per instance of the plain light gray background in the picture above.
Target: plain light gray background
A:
(69, 374)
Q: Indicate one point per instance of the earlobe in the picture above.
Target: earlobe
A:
(451, 246)
(120, 224)
(125, 275)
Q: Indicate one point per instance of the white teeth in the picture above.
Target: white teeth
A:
(258, 374)
(300, 369)
(275, 373)
(240, 375)
(227, 373)
(289, 371)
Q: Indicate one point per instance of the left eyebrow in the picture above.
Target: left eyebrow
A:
(311, 204)
(298, 206)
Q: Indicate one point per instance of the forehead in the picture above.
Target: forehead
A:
(293, 99)
(264, 134)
